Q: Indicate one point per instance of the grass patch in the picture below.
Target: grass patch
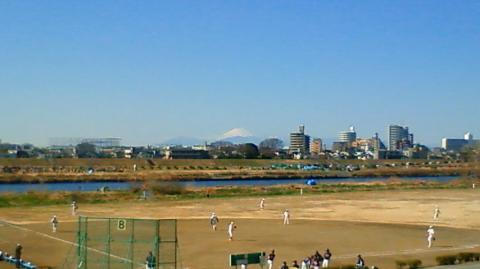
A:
(160, 190)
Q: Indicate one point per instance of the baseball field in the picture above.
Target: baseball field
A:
(383, 226)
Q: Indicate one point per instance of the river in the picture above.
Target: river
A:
(93, 186)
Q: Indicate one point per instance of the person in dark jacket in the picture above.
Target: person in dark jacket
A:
(18, 255)
(151, 261)
(326, 258)
(360, 262)
(270, 259)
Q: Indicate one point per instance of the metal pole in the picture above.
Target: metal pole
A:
(176, 242)
(85, 242)
(109, 237)
(132, 239)
(156, 243)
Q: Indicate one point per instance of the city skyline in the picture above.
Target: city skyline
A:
(149, 72)
(241, 136)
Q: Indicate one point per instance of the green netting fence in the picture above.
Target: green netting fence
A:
(120, 243)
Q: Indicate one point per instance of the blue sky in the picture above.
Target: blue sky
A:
(148, 71)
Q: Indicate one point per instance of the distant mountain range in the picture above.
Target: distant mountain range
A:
(243, 139)
(183, 140)
(235, 136)
(239, 136)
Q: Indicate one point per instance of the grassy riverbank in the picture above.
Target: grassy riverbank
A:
(58, 170)
(171, 191)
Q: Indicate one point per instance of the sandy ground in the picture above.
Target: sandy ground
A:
(383, 226)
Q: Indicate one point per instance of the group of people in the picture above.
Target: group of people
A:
(231, 225)
(315, 261)
(431, 231)
(54, 219)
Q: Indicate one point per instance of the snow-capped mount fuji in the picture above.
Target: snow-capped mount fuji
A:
(239, 136)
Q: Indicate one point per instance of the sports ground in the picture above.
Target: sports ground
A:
(383, 226)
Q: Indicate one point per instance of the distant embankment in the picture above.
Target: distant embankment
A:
(35, 170)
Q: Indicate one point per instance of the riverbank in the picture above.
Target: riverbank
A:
(229, 174)
(130, 170)
(171, 191)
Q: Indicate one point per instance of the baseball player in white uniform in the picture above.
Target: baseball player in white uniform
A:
(231, 228)
(214, 221)
(430, 236)
(54, 222)
(286, 217)
(74, 208)
(436, 213)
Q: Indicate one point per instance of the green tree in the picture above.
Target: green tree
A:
(86, 150)
(269, 147)
(271, 143)
(248, 151)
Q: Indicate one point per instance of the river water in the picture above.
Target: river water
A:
(93, 186)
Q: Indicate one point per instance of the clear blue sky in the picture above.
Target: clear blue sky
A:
(147, 71)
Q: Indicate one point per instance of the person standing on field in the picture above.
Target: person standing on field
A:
(436, 213)
(286, 217)
(231, 228)
(326, 258)
(54, 222)
(270, 259)
(214, 221)
(360, 264)
(150, 261)
(74, 208)
(262, 203)
(18, 255)
(430, 236)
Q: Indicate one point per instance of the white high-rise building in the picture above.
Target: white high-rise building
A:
(348, 136)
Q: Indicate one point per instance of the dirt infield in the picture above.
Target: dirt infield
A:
(382, 226)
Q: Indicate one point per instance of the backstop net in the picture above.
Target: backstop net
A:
(118, 243)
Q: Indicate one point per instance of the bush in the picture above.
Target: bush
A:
(410, 264)
(400, 264)
(468, 257)
(414, 264)
(168, 188)
(446, 259)
(476, 256)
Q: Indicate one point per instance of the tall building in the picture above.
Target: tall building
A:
(348, 136)
(316, 147)
(300, 142)
(399, 138)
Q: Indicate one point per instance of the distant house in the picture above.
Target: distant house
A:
(185, 153)
(8, 150)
